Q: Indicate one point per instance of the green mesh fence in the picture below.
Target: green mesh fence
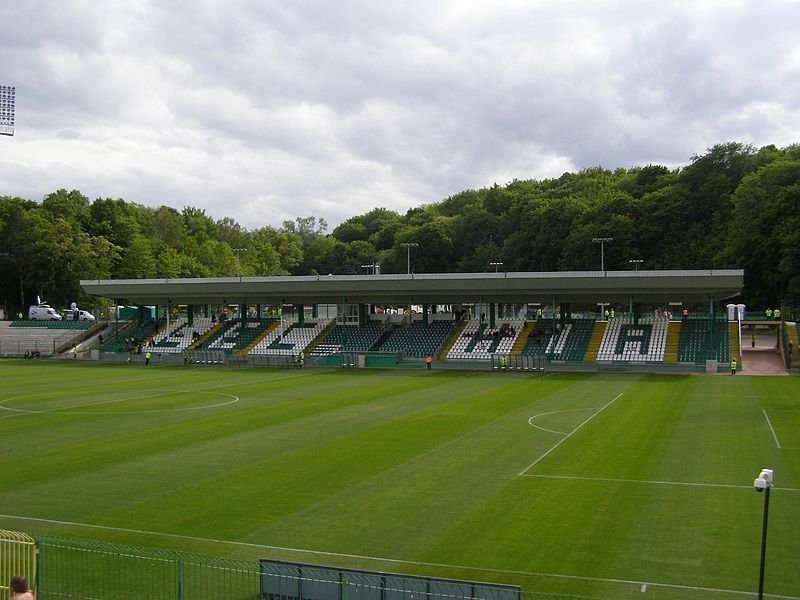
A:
(84, 569)
(92, 570)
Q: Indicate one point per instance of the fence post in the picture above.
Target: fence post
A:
(180, 580)
(37, 577)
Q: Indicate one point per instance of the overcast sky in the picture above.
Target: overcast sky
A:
(264, 110)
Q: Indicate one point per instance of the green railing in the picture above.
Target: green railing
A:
(70, 568)
(89, 569)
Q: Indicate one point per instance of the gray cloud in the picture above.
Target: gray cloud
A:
(264, 111)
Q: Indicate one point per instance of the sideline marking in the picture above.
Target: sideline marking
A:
(552, 412)
(75, 410)
(405, 562)
(654, 482)
(775, 437)
(567, 436)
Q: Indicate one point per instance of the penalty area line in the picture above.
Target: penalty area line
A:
(567, 436)
(772, 429)
(653, 482)
(406, 562)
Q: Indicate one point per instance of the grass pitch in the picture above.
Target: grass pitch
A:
(606, 485)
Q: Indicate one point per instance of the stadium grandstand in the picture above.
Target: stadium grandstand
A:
(651, 320)
(595, 320)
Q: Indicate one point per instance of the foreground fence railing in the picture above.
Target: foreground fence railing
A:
(58, 568)
(17, 557)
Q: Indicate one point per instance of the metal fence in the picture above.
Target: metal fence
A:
(84, 569)
(17, 557)
(58, 567)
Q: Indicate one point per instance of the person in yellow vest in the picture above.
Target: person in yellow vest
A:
(733, 366)
(768, 313)
(538, 314)
(147, 358)
(777, 314)
(612, 313)
(606, 314)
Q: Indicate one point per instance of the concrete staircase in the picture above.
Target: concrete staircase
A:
(593, 348)
(522, 339)
(673, 342)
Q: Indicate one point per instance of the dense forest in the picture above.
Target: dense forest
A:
(736, 206)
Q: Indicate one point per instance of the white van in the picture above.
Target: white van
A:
(43, 312)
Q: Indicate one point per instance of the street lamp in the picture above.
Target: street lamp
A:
(763, 483)
(408, 246)
(495, 265)
(636, 262)
(237, 252)
(602, 241)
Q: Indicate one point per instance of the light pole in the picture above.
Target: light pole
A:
(636, 262)
(763, 483)
(495, 265)
(237, 252)
(602, 241)
(408, 246)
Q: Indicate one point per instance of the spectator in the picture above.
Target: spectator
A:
(19, 589)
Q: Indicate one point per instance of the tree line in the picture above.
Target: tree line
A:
(735, 206)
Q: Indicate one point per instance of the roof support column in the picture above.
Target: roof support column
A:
(362, 314)
(492, 310)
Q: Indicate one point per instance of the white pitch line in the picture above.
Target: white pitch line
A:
(405, 562)
(552, 412)
(774, 436)
(71, 410)
(567, 436)
(653, 482)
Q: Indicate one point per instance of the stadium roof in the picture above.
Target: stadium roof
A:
(432, 288)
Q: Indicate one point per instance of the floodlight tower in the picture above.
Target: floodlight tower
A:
(7, 97)
(602, 241)
(408, 246)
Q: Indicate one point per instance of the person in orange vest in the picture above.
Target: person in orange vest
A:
(428, 361)
(685, 313)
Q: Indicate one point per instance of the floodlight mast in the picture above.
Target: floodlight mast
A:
(7, 100)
